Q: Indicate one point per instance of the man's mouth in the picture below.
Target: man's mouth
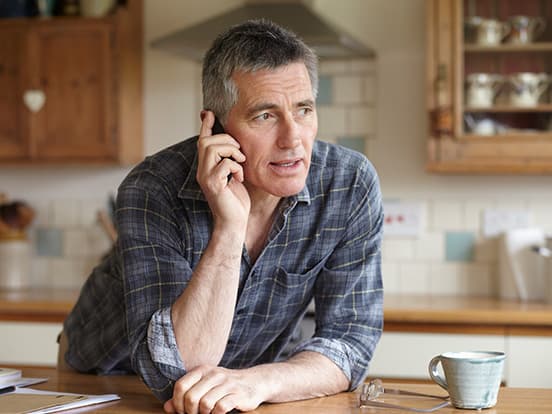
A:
(286, 163)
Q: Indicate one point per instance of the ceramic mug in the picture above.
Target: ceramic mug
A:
(486, 32)
(482, 88)
(525, 29)
(527, 88)
(472, 378)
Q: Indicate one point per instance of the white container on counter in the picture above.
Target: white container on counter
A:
(15, 263)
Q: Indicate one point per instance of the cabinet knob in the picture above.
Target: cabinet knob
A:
(34, 99)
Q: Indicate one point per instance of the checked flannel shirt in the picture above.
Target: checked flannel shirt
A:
(324, 244)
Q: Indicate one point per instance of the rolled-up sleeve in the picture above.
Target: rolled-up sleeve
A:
(349, 291)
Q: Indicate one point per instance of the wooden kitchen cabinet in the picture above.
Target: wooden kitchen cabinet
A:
(71, 89)
(507, 136)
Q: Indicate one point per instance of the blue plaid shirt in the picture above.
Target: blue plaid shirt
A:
(324, 244)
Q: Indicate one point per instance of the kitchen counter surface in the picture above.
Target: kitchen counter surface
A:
(414, 313)
(466, 314)
(36, 304)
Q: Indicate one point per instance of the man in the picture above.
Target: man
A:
(225, 238)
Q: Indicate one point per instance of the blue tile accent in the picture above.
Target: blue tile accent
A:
(459, 246)
(49, 242)
(356, 143)
(325, 96)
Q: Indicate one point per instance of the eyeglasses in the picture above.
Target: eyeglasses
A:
(374, 389)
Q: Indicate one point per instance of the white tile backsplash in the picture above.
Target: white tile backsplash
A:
(348, 89)
(446, 215)
(361, 120)
(331, 121)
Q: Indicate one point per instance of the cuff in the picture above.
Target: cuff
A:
(162, 345)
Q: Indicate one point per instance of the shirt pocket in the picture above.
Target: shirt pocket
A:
(286, 294)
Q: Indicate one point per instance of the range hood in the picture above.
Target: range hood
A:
(327, 40)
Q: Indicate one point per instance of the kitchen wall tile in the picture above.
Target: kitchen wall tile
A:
(88, 212)
(333, 67)
(361, 120)
(473, 214)
(459, 246)
(430, 247)
(66, 213)
(43, 213)
(331, 120)
(370, 89)
(348, 89)
(445, 215)
(357, 143)
(325, 87)
(444, 279)
(391, 277)
(76, 243)
(49, 242)
(542, 214)
(414, 278)
(397, 249)
(40, 271)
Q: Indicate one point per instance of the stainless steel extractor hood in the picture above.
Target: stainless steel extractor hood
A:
(327, 40)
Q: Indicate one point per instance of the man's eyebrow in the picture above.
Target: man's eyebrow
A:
(263, 106)
(306, 102)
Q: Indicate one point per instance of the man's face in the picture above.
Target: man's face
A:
(275, 122)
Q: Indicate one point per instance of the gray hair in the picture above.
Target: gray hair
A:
(248, 47)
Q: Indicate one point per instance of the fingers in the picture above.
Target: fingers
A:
(200, 391)
(207, 122)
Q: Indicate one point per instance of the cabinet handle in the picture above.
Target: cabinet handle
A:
(34, 99)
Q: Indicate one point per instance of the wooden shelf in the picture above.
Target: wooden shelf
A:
(490, 167)
(507, 48)
(515, 135)
(509, 109)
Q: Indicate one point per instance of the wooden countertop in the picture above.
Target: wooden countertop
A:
(416, 313)
(36, 304)
(136, 398)
(458, 314)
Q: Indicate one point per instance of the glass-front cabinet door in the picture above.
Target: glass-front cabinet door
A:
(489, 92)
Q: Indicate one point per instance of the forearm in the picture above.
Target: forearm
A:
(202, 315)
(305, 375)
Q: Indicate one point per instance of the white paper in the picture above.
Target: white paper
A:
(89, 400)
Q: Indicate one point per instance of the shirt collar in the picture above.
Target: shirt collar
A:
(191, 189)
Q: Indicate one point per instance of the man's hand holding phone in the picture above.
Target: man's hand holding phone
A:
(219, 157)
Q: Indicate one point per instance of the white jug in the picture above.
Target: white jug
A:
(527, 88)
(487, 32)
(482, 88)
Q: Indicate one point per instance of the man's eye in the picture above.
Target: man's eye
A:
(263, 117)
(305, 111)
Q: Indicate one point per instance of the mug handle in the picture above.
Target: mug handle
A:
(540, 25)
(542, 85)
(506, 28)
(434, 373)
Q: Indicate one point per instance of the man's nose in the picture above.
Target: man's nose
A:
(289, 135)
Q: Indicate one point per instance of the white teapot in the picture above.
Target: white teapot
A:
(482, 88)
(526, 88)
